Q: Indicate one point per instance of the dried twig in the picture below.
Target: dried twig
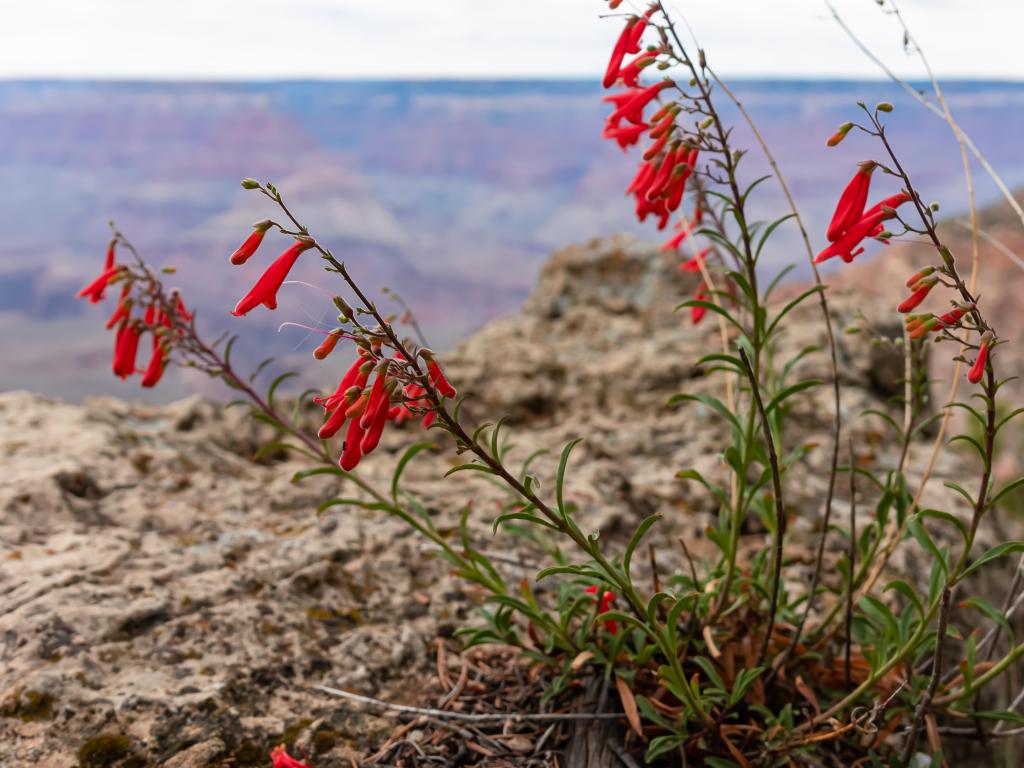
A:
(466, 717)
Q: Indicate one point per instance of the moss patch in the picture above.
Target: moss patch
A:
(105, 750)
(28, 706)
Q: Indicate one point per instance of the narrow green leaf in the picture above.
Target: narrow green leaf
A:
(563, 462)
(997, 551)
(638, 534)
(409, 454)
(276, 383)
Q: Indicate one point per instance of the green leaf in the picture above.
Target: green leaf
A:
(918, 531)
(525, 517)
(693, 474)
(955, 521)
(638, 534)
(407, 456)
(908, 592)
(712, 673)
(1000, 714)
(276, 383)
(997, 551)
(959, 489)
(469, 467)
(764, 239)
(370, 505)
(563, 462)
(711, 402)
(791, 306)
(227, 351)
(742, 683)
(259, 368)
(789, 392)
(710, 306)
(302, 474)
(575, 570)
(1008, 488)
(885, 417)
(662, 745)
(268, 448)
(974, 444)
(983, 605)
(1012, 415)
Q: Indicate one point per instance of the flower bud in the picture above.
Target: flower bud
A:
(343, 308)
(250, 184)
(839, 135)
(884, 106)
(328, 344)
(947, 257)
(917, 276)
(923, 288)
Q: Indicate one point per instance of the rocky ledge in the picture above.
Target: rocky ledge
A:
(164, 599)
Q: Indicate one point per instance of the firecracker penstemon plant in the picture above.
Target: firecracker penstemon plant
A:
(722, 664)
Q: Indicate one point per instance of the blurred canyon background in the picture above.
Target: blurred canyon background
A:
(452, 193)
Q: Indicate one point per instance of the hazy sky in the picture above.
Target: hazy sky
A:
(481, 38)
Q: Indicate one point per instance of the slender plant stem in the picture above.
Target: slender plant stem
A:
(780, 509)
(830, 334)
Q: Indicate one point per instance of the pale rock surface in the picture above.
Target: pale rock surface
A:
(162, 591)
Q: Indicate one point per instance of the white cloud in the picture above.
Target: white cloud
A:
(481, 38)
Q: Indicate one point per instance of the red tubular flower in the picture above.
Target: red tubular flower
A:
(850, 209)
(374, 403)
(630, 74)
(950, 319)
(252, 242)
(607, 598)
(917, 296)
(625, 136)
(844, 247)
(893, 202)
(110, 255)
(156, 365)
(375, 427)
(124, 308)
(636, 33)
(282, 759)
(611, 73)
(978, 369)
(96, 290)
(347, 401)
(632, 108)
(266, 288)
(352, 452)
(439, 380)
(126, 346)
(870, 225)
(351, 377)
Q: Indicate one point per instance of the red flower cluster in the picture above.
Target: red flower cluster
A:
(368, 409)
(668, 161)
(921, 325)
(265, 290)
(130, 330)
(851, 224)
(607, 598)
